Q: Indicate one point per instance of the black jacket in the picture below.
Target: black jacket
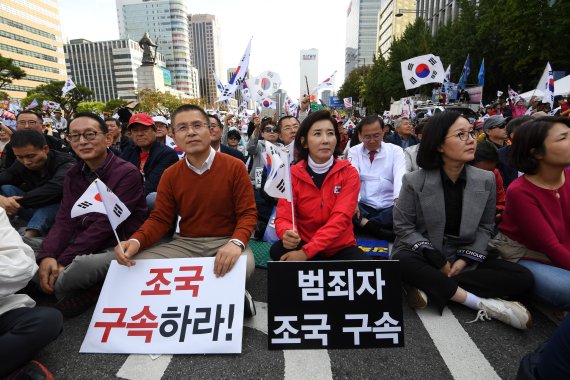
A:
(232, 152)
(396, 139)
(40, 190)
(54, 143)
(160, 158)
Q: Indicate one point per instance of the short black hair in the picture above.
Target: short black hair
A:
(421, 125)
(214, 116)
(116, 121)
(265, 122)
(186, 108)
(312, 118)
(517, 122)
(283, 118)
(26, 137)
(486, 151)
(368, 120)
(434, 134)
(529, 141)
(39, 116)
(93, 116)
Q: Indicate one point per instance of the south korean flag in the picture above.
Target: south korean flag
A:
(421, 70)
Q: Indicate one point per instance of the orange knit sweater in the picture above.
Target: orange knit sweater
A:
(219, 202)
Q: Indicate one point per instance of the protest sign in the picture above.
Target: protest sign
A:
(334, 304)
(173, 306)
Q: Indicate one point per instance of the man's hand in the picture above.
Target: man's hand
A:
(291, 239)
(131, 248)
(228, 117)
(226, 257)
(10, 204)
(357, 212)
(48, 272)
(446, 268)
(256, 121)
(294, 256)
(457, 267)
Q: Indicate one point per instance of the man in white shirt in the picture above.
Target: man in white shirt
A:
(381, 167)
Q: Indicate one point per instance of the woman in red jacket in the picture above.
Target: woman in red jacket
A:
(325, 193)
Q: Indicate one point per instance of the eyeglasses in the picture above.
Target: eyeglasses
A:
(270, 130)
(88, 136)
(31, 123)
(197, 126)
(373, 137)
(463, 135)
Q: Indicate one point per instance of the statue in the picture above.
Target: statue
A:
(149, 56)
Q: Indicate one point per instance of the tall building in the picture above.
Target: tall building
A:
(437, 12)
(391, 27)
(108, 68)
(30, 34)
(206, 52)
(167, 24)
(308, 70)
(361, 33)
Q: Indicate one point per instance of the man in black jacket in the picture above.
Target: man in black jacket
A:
(216, 132)
(150, 156)
(404, 136)
(31, 188)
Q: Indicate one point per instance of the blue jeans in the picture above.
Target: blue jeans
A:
(382, 216)
(551, 284)
(40, 219)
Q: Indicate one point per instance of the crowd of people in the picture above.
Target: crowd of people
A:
(477, 213)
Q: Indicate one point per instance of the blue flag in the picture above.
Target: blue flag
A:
(481, 76)
(465, 73)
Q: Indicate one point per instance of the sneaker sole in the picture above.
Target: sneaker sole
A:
(415, 299)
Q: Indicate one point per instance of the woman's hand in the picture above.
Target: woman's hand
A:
(291, 239)
(457, 267)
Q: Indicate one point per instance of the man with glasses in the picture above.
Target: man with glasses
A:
(213, 196)
(495, 130)
(76, 253)
(381, 167)
(148, 154)
(31, 120)
(216, 131)
(287, 128)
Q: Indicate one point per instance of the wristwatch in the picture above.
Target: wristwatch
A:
(238, 243)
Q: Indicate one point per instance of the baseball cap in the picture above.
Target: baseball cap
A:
(141, 118)
(160, 119)
(494, 122)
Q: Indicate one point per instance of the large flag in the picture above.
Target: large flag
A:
(278, 183)
(219, 84)
(421, 70)
(33, 104)
(546, 85)
(99, 198)
(447, 75)
(481, 75)
(465, 73)
(347, 102)
(68, 86)
(238, 76)
(327, 83)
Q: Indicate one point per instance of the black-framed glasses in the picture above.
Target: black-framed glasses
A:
(88, 136)
(464, 135)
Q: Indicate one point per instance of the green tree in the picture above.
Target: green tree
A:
(9, 71)
(354, 84)
(4, 96)
(95, 107)
(52, 91)
(112, 105)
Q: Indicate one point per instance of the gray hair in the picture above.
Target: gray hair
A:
(399, 121)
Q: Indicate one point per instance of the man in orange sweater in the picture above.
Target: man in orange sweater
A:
(212, 194)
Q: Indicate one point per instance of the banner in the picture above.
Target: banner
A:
(174, 306)
(334, 304)
(421, 70)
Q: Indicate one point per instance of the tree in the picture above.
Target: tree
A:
(353, 84)
(94, 107)
(9, 71)
(52, 91)
(4, 96)
(113, 105)
(160, 102)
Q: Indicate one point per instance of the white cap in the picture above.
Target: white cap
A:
(160, 119)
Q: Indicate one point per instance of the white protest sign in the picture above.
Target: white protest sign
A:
(168, 306)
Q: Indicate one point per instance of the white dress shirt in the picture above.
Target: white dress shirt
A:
(205, 166)
(381, 179)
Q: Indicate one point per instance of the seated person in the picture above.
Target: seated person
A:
(76, 253)
(31, 120)
(31, 187)
(404, 135)
(212, 194)
(325, 194)
(216, 131)
(495, 130)
(24, 329)
(287, 128)
(162, 129)
(443, 221)
(535, 230)
(120, 142)
(410, 153)
(235, 140)
(508, 172)
(381, 167)
(147, 154)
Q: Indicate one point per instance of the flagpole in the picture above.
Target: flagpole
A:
(291, 190)
(107, 211)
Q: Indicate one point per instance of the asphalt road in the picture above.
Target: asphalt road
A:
(436, 347)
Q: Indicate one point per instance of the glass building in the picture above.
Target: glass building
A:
(361, 33)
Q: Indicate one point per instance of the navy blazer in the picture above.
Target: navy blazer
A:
(232, 152)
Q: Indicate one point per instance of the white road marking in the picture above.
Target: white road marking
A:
(458, 351)
(143, 367)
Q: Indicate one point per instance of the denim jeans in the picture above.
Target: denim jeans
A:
(551, 284)
(40, 219)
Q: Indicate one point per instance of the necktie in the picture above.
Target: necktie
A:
(372, 153)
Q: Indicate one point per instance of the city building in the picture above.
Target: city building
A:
(206, 52)
(325, 96)
(108, 68)
(437, 12)
(393, 19)
(308, 70)
(30, 34)
(279, 97)
(167, 24)
(361, 33)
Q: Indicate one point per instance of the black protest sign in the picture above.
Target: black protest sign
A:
(334, 304)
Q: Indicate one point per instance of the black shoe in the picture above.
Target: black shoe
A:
(379, 232)
(78, 303)
(34, 370)
(249, 306)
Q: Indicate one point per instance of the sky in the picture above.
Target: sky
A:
(280, 29)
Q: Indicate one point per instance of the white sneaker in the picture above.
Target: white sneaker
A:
(509, 312)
